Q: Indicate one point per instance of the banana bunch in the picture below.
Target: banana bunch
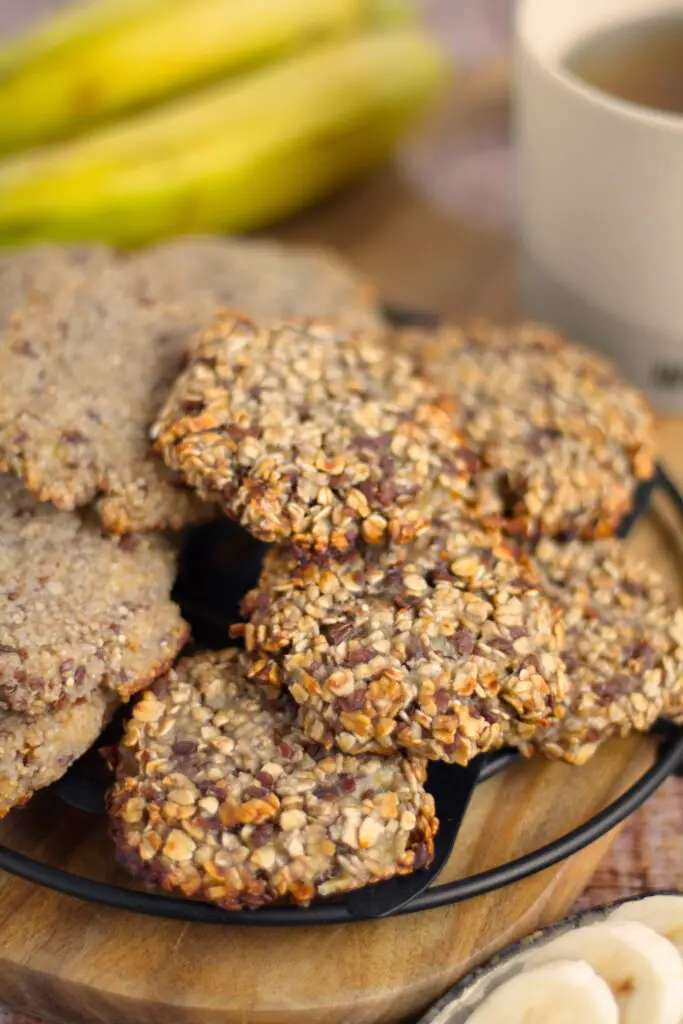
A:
(90, 63)
(302, 97)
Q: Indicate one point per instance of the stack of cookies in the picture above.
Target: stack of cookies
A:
(443, 578)
(90, 342)
(564, 442)
(439, 585)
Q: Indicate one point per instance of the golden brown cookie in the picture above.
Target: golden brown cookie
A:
(220, 795)
(562, 439)
(623, 649)
(311, 434)
(445, 647)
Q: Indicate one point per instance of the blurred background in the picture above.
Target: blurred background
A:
(393, 147)
(414, 124)
(473, 30)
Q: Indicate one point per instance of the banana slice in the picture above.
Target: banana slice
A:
(643, 970)
(664, 914)
(561, 992)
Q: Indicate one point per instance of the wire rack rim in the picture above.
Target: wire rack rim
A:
(93, 891)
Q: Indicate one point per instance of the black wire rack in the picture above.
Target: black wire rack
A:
(210, 599)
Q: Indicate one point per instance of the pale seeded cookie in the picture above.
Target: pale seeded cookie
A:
(219, 795)
(86, 359)
(445, 647)
(562, 439)
(35, 752)
(623, 650)
(79, 611)
(263, 278)
(311, 434)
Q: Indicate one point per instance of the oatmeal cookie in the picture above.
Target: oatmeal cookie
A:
(90, 342)
(35, 752)
(221, 796)
(623, 649)
(79, 611)
(311, 434)
(563, 440)
(445, 647)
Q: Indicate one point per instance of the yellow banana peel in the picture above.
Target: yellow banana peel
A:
(234, 157)
(93, 62)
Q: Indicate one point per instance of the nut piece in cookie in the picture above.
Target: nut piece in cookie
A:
(219, 795)
(624, 646)
(79, 611)
(445, 647)
(35, 752)
(308, 433)
(563, 440)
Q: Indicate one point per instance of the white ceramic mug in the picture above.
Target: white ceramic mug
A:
(600, 189)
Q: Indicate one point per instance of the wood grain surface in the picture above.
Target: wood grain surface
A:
(436, 232)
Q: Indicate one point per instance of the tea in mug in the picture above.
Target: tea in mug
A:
(641, 62)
